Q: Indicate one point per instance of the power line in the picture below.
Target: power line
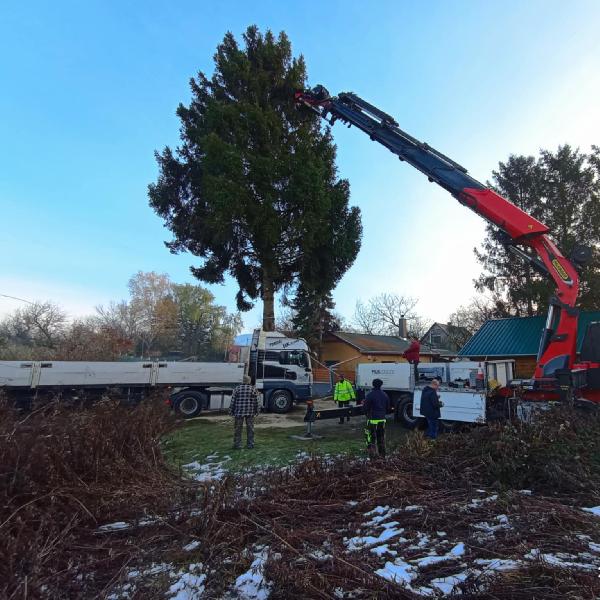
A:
(15, 298)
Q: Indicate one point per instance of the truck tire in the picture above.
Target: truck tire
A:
(188, 404)
(404, 413)
(280, 402)
(449, 426)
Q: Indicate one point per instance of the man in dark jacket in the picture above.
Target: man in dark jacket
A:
(244, 407)
(377, 404)
(430, 407)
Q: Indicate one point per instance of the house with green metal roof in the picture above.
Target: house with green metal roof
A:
(517, 338)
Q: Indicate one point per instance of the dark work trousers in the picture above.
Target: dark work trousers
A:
(343, 404)
(237, 432)
(432, 428)
(415, 365)
(375, 433)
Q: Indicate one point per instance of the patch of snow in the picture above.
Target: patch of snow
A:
(252, 585)
(189, 586)
(441, 533)
(319, 555)
(397, 571)
(413, 508)
(358, 542)
(560, 559)
(424, 591)
(447, 585)
(191, 546)
(383, 549)
(595, 510)
(476, 502)
(205, 471)
(433, 559)
(347, 595)
(378, 510)
(114, 526)
(594, 547)
(489, 530)
(498, 564)
(458, 550)
(156, 569)
(352, 503)
(525, 492)
(423, 541)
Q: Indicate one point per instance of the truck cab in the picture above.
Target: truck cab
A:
(281, 369)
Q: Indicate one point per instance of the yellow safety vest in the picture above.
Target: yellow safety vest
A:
(344, 392)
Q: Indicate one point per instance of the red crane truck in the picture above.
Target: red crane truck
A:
(558, 375)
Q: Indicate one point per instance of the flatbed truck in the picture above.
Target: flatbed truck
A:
(279, 366)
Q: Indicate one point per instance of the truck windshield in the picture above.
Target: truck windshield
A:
(293, 357)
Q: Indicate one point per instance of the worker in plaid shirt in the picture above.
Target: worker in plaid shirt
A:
(244, 406)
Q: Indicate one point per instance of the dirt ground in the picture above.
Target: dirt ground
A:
(294, 418)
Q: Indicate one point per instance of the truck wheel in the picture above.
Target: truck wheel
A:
(449, 426)
(280, 402)
(188, 404)
(404, 413)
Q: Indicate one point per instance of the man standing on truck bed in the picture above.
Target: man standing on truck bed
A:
(413, 354)
(343, 393)
(377, 404)
(244, 406)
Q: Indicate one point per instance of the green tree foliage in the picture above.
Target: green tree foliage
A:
(253, 188)
(205, 328)
(562, 190)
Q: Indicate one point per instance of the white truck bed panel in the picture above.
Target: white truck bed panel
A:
(395, 376)
(189, 373)
(15, 373)
(466, 406)
(75, 374)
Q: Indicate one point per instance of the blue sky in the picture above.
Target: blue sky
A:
(89, 91)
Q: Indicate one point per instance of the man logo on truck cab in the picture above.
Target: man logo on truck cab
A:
(560, 270)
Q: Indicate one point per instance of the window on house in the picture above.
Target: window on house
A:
(436, 340)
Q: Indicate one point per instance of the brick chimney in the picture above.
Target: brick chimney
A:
(402, 327)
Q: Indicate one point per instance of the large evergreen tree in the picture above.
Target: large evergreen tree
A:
(253, 187)
(562, 190)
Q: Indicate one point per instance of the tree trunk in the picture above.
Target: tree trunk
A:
(268, 297)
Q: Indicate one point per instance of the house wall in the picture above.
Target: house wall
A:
(338, 351)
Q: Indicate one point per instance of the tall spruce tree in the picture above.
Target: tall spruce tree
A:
(253, 186)
(562, 190)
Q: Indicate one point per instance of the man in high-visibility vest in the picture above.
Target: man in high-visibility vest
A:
(343, 393)
(377, 405)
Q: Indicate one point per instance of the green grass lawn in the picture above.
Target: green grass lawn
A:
(274, 446)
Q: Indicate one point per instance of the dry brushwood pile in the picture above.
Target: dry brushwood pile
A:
(90, 509)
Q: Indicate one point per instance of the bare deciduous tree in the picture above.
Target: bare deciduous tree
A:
(467, 319)
(37, 324)
(381, 315)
